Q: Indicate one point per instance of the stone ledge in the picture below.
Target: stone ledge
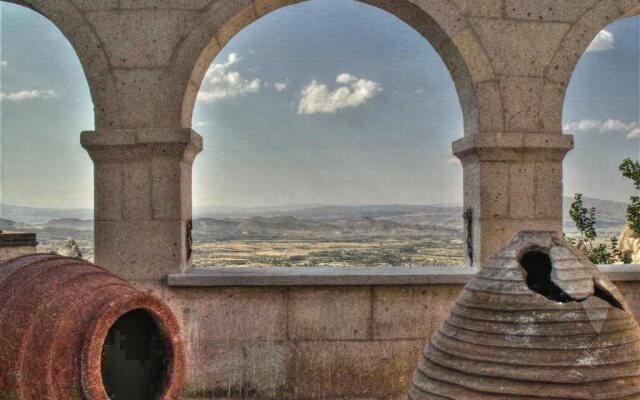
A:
(130, 137)
(621, 273)
(513, 146)
(321, 276)
(17, 239)
(349, 276)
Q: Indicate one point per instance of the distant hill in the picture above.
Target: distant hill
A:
(289, 225)
(366, 219)
(69, 223)
(6, 224)
(39, 216)
(611, 215)
(444, 216)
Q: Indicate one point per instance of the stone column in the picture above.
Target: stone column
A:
(142, 199)
(512, 182)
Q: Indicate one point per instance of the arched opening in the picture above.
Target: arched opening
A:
(331, 149)
(135, 358)
(602, 111)
(46, 183)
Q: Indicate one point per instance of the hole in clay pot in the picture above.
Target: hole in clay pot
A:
(605, 295)
(538, 267)
(135, 358)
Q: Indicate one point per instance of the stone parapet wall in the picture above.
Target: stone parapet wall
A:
(305, 342)
(16, 244)
(7, 253)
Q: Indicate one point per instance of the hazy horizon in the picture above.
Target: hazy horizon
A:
(300, 205)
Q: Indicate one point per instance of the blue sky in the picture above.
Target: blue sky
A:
(325, 102)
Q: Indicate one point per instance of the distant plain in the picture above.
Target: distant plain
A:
(305, 235)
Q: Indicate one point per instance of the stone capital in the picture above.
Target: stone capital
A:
(140, 144)
(512, 147)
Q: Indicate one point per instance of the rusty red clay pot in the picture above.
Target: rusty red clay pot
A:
(67, 325)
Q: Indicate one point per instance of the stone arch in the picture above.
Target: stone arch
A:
(438, 21)
(571, 48)
(70, 20)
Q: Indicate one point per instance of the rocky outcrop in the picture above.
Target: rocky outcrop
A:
(70, 249)
(629, 244)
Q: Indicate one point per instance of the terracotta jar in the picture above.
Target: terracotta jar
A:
(538, 321)
(71, 330)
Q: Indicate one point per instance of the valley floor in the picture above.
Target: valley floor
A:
(309, 252)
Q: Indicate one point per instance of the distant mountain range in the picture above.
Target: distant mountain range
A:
(368, 219)
(61, 223)
(38, 216)
(289, 225)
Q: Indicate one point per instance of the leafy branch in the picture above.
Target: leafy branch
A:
(585, 221)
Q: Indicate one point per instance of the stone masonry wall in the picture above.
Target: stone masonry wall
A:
(311, 342)
(306, 342)
(7, 253)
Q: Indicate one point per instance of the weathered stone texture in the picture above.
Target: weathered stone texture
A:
(246, 343)
(544, 10)
(233, 315)
(354, 369)
(549, 191)
(510, 46)
(160, 4)
(96, 4)
(266, 6)
(128, 247)
(334, 314)
(522, 190)
(7, 253)
(522, 97)
(628, 7)
(488, 8)
(494, 181)
(410, 312)
(140, 38)
(490, 108)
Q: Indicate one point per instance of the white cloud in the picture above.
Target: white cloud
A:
(220, 83)
(4, 63)
(634, 134)
(453, 161)
(603, 41)
(201, 124)
(584, 125)
(353, 92)
(609, 126)
(281, 86)
(346, 79)
(28, 95)
(615, 125)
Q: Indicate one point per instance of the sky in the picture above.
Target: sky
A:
(324, 102)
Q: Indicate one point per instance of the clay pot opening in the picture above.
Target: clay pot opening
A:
(538, 266)
(136, 358)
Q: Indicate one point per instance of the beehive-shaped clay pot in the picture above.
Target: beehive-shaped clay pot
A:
(539, 321)
(70, 330)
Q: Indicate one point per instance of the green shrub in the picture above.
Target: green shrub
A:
(585, 221)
